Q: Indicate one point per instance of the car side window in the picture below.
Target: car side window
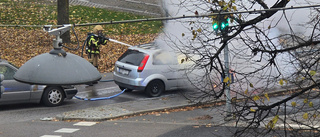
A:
(164, 58)
(7, 72)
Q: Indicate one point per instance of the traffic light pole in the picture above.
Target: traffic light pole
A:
(226, 74)
(222, 25)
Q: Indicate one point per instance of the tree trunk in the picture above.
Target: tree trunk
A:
(63, 18)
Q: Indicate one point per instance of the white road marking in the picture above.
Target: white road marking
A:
(139, 2)
(85, 123)
(66, 130)
(296, 126)
(50, 136)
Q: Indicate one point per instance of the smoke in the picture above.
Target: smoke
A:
(177, 36)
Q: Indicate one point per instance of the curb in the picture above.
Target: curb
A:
(120, 110)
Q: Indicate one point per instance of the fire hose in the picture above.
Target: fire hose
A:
(100, 98)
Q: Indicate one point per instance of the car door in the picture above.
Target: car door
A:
(185, 70)
(166, 64)
(14, 91)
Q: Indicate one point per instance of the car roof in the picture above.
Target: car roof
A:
(149, 48)
(2, 61)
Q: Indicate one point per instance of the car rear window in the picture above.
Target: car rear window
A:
(133, 57)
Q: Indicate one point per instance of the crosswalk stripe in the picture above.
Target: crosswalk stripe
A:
(66, 130)
(85, 123)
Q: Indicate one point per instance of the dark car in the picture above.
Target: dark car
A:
(17, 92)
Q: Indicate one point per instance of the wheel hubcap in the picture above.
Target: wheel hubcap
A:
(55, 96)
(155, 89)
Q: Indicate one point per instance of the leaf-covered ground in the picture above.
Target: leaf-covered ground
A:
(18, 45)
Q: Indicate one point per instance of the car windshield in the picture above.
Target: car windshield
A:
(132, 57)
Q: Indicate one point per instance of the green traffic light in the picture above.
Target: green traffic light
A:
(219, 26)
(215, 26)
(223, 25)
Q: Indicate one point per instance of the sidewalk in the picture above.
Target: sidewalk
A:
(130, 108)
(112, 111)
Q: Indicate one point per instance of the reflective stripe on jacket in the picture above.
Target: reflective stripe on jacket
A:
(94, 45)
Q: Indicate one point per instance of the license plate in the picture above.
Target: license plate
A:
(123, 71)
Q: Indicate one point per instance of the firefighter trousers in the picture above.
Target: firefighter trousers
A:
(94, 60)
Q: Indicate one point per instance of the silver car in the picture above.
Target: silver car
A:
(17, 92)
(149, 68)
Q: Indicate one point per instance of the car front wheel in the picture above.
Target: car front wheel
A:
(53, 96)
(155, 88)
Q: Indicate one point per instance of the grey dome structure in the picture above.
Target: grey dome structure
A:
(57, 67)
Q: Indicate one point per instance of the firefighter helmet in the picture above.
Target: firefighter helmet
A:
(97, 28)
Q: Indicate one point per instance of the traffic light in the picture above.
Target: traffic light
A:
(221, 23)
(224, 24)
(215, 26)
(2, 88)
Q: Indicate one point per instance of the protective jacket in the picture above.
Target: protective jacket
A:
(94, 42)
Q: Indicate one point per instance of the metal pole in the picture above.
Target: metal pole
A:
(226, 73)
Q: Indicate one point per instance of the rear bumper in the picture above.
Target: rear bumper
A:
(130, 83)
(129, 86)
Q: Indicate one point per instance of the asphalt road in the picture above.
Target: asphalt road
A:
(28, 112)
(36, 119)
(31, 119)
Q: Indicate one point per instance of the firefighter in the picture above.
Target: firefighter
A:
(94, 40)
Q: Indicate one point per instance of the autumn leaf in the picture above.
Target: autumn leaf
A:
(225, 80)
(305, 116)
(272, 122)
(234, 8)
(312, 72)
(251, 85)
(305, 101)
(255, 98)
(293, 104)
(246, 92)
(281, 82)
(196, 126)
(266, 95)
(252, 110)
(310, 104)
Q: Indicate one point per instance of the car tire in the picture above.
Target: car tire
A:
(127, 90)
(53, 96)
(155, 88)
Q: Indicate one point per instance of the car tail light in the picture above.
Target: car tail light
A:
(143, 63)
